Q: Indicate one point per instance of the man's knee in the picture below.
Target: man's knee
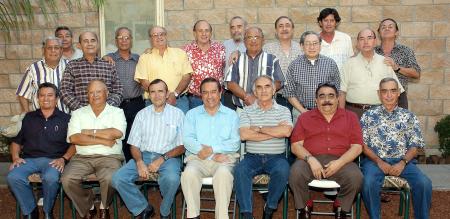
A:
(297, 172)
(13, 178)
(170, 179)
(189, 173)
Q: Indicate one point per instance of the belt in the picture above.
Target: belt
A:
(192, 95)
(360, 106)
(131, 99)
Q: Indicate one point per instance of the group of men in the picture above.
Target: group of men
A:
(151, 109)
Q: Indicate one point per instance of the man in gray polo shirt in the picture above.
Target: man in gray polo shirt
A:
(265, 125)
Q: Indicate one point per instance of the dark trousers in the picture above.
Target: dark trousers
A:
(130, 107)
(403, 100)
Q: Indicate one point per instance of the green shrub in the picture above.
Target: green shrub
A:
(442, 127)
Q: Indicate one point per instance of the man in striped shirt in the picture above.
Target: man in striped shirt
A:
(265, 125)
(49, 69)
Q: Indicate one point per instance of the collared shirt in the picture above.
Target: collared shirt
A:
(245, 71)
(360, 79)
(77, 53)
(157, 131)
(323, 137)
(77, 76)
(170, 67)
(285, 59)
(43, 137)
(85, 118)
(220, 131)
(38, 73)
(391, 134)
(230, 47)
(340, 49)
(125, 69)
(404, 57)
(255, 116)
(303, 77)
(205, 64)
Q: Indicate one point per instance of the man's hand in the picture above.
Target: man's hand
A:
(58, 164)
(390, 62)
(108, 142)
(332, 167)
(16, 163)
(172, 100)
(249, 99)
(221, 158)
(153, 167)
(316, 168)
(233, 57)
(109, 60)
(142, 169)
(86, 131)
(385, 167)
(205, 152)
(397, 168)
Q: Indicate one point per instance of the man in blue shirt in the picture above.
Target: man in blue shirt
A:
(211, 138)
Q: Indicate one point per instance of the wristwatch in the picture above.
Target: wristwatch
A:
(175, 93)
(165, 157)
(405, 160)
(398, 69)
(259, 128)
(307, 158)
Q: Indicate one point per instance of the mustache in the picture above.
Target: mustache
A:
(327, 104)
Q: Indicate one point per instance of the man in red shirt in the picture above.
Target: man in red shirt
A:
(326, 140)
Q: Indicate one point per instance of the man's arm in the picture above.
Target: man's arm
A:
(108, 133)
(384, 166)
(87, 140)
(140, 165)
(296, 104)
(14, 149)
(116, 91)
(240, 92)
(182, 85)
(67, 89)
(398, 168)
(24, 104)
(156, 164)
(233, 142)
(189, 134)
(282, 130)
(349, 156)
(342, 96)
(301, 153)
(251, 133)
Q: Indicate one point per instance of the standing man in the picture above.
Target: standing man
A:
(40, 147)
(392, 136)
(251, 64)
(306, 72)
(156, 148)
(265, 125)
(207, 60)
(69, 52)
(168, 64)
(96, 130)
(336, 45)
(361, 74)
(125, 63)
(211, 138)
(49, 69)
(90, 67)
(326, 141)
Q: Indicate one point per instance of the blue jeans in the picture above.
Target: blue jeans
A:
(168, 181)
(18, 183)
(373, 180)
(182, 103)
(276, 166)
(194, 101)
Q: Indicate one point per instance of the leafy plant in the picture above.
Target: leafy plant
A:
(442, 127)
(4, 144)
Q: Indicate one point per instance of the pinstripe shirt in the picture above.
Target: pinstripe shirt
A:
(303, 77)
(157, 132)
(38, 73)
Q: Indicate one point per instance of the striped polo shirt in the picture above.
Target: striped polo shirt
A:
(254, 116)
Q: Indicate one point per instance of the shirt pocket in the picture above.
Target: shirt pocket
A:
(171, 130)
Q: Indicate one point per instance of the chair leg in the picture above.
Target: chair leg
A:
(174, 208)
(234, 206)
(116, 212)
(401, 203)
(358, 206)
(18, 214)
(407, 201)
(74, 211)
(61, 202)
(285, 203)
(183, 209)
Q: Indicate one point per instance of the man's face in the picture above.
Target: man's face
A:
(47, 98)
(124, 40)
(284, 29)
(158, 38)
(210, 95)
(66, 38)
(311, 46)
(237, 29)
(158, 94)
(327, 100)
(253, 41)
(328, 24)
(388, 30)
(202, 33)
(366, 41)
(264, 89)
(389, 93)
(97, 93)
(52, 51)
(89, 43)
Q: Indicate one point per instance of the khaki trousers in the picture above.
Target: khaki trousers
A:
(79, 167)
(222, 180)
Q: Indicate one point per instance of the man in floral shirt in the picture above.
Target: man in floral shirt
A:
(392, 136)
(207, 59)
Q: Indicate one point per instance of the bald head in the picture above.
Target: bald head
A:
(97, 93)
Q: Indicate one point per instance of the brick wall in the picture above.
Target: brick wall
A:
(424, 26)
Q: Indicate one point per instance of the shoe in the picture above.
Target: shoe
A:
(91, 214)
(147, 213)
(48, 216)
(385, 197)
(268, 212)
(198, 217)
(104, 214)
(163, 217)
(339, 213)
(247, 215)
(33, 215)
(305, 213)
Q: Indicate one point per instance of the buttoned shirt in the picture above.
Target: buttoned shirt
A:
(360, 79)
(230, 47)
(303, 77)
(43, 137)
(125, 70)
(323, 137)
(391, 134)
(170, 67)
(404, 57)
(219, 131)
(85, 118)
(157, 132)
(38, 73)
(340, 49)
(205, 64)
(77, 76)
(246, 69)
(274, 48)
(253, 115)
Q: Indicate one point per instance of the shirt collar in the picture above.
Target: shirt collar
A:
(116, 55)
(55, 113)
(157, 113)
(61, 60)
(339, 112)
(384, 110)
(275, 106)
(220, 110)
(96, 59)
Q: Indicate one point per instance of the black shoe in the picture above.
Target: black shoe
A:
(198, 217)
(268, 212)
(305, 213)
(33, 215)
(48, 216)
(339, 213)
(147, 213)
(247, 215)
(164, 217)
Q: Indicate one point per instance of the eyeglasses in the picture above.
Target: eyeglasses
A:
(156, 35)
(392, 91)
(252, 37)
(123, 37)
(311, 44)
(366, 38)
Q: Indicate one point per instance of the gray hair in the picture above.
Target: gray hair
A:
(153, 27)
(388, 79)
(266, 77)
(239, 17)
(255, 28)
(45, 41)
(309, 32)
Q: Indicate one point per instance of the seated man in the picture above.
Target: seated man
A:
(42, 141)
(326, 140)
(96, 130)
(265, 125)
(391, 136)
(156, 146)
(211, 138)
